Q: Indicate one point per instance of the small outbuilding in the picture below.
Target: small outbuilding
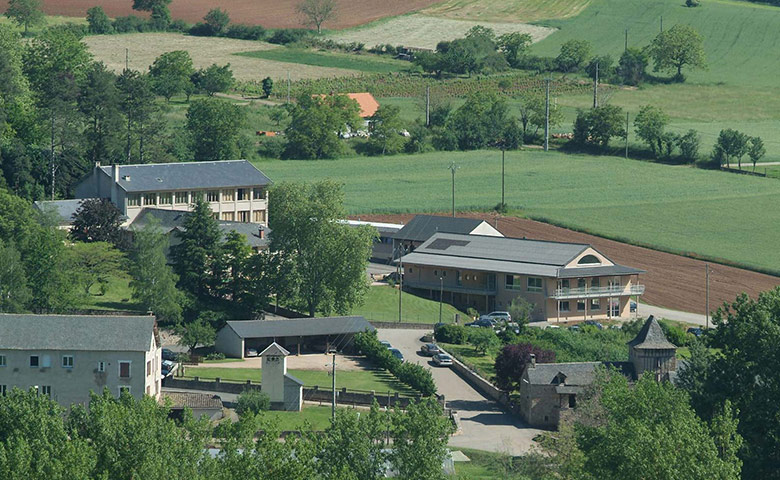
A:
(200, 404)
(303, 335)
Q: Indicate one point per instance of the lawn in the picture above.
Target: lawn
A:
(364, 63)
(381, 304)
(485, 365)
(490, 465)
(379, 381)
(118, 296)
(678, 209)
(318, 418)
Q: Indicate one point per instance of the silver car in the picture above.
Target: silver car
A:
(442, 360)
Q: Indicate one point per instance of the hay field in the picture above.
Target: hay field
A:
(424, 31)
(506, 10)
(145, 47)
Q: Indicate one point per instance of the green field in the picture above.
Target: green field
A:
(364, 63)
(680, 209)
(381, 305)
(378, 380)
(318, 418)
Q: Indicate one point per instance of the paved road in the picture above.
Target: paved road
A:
(485, 425)
(645, 311)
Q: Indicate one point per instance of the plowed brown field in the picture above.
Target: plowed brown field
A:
(268, 13)
(672, 281)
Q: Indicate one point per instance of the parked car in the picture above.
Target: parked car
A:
(250, 352)
(500, 316)
(168, 354)
(397, 354)
(482, 323)
(633, 306)
(574, 328)
(696, 331)
(442, 360)
(168, 367)
(386, 343)
(594, 323)
(430, 349)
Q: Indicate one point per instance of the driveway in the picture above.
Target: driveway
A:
(485, 425)
(645, 311)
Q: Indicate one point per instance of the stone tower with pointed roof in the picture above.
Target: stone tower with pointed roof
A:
(284, 390)
(650, 350)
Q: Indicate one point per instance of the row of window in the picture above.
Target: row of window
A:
(185, 198)
(44, 361)
(257, 216)
(45, 390)
(582, 283)
(515, 282)
(595, 304)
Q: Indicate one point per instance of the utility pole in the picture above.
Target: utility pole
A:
(452, 168)
(401, 250)
(428, 106)
(441, 295)
(127, 59)
(662, 24)
(547, 115)
(626, 47)
(626, 135)
(707, 294)
(596, 87)
(288, 87)
(502, 176)
(333, 404)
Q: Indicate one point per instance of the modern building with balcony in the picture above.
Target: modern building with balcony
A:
(564, 281)
(235, 189)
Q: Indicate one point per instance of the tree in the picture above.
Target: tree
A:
(597, 125)
(385, 130)
(649, 125)
(45, 262)
(138, 104)
(278, 115)
(479, 122)
(214, 79)
(606, 68)
(198, 332)
(676, 48)
(14, 293)
(197, 252)
(316, 123)
(98, 21)
(352, 447)
(216, 20)
(615, 424)
(731, 144)
(483, 339)
(230, 268)
(97, 220)
(532, 110)
(573, 55)
(756, 150)
(94, 263)
(268, 86)
(171, 73)
(214, 126)
(689, 145)
(514, 46)
(99, 103)
(326, 258)
(26, 13)
(632, 65)
(520, 309)
(423, 428)
(252, 402)
(153, 281)
(512, 360)
(317, 12)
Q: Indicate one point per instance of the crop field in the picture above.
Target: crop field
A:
(506, 10)
(678, 209)
(268, 13)
(145, 47)
(364, 63)
(425, 31)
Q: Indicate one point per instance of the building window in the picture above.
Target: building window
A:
(45, 390)
(595, 304)
(410, 270)
(181, 198)
(435, 273)
(2, 361)
(124, 388)
(124, 369)
(565, 283)
(196, 196)
(580, 305)
(458, 279)
(589, 260)
(150, 199)
(229, 216)
(258, 216)
(581, 283)
(166, 198)
(565, 306)
(513, 282)
(101, 367)
(243, 216)
(242, 194)
(534, 284)
(46, 361)
(34, 361)
(67, 361)
(228, 195)
(212, 196)
(594, 282)
(3, 389)
(148, 368)
(134, 200)
(444, 273)
(258, 194)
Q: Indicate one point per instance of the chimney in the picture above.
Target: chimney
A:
(533, 360)
(261, 232)
(115, 172)
(115, 184)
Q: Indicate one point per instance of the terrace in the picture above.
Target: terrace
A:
(596, 292)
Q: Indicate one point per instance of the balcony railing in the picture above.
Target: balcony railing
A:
(595, 292)
(470, 289)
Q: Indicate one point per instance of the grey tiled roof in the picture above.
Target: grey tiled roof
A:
(65, 209)
(577, 373)
(174, 219)
(298, 327)
(651, 337)
(76, 332)
(188, 175)
(193, 400)
(421, 227)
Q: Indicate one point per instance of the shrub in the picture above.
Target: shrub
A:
(271, 147)
(414, 375)
(511, 362)
(520, 309)
(215, 356)
(456, 334)
(245, 32)
(418, 376)
(483, 339)
(252, 402)
(98, 21)
(217, 19)
(178, 26)
(675, 334)
(129, 24)
(286, 36)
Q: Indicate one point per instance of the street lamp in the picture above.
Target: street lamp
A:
(441, 295)
(452, 168)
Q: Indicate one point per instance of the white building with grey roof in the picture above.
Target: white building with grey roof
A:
(564, 281)
(67, 356)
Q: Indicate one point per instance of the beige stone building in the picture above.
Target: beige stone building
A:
(67, 356)
(564, 281)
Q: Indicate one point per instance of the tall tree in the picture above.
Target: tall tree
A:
(160, 15)
(574, 55)
(756, 150)
(423, 428)
(195, 257)
(214, 79)
(26, 13)
(94, 263)
(514, 46)
(154, 283)
(171, 73)
(327, 257)
(214, 126)
(632, 66)
(14, 293)
(98, 21)
(99, 102)
(97, 220)
(597, 126)
(385, 128)
(141, 112)
(649, 125)
(198, 332)
(352, 447)
(731, 144)
(316, 123)
(678, 47)
(480, 122)
(217, 20)
(48, 277)
(317, 12)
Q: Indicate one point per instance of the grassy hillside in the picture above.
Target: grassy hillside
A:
(506, 10)
(381, 304)
(364, 63)
(680, 209)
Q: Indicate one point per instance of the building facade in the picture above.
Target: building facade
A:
(235, 190)
(564, 281)
(67, 356)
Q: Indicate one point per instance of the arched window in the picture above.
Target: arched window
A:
(589, 260)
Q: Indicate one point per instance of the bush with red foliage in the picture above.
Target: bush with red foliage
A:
(511, 362)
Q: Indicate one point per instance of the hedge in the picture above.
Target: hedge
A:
(416, 376)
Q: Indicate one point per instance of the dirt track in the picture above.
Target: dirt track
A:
(672, 281)
(268, 13)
